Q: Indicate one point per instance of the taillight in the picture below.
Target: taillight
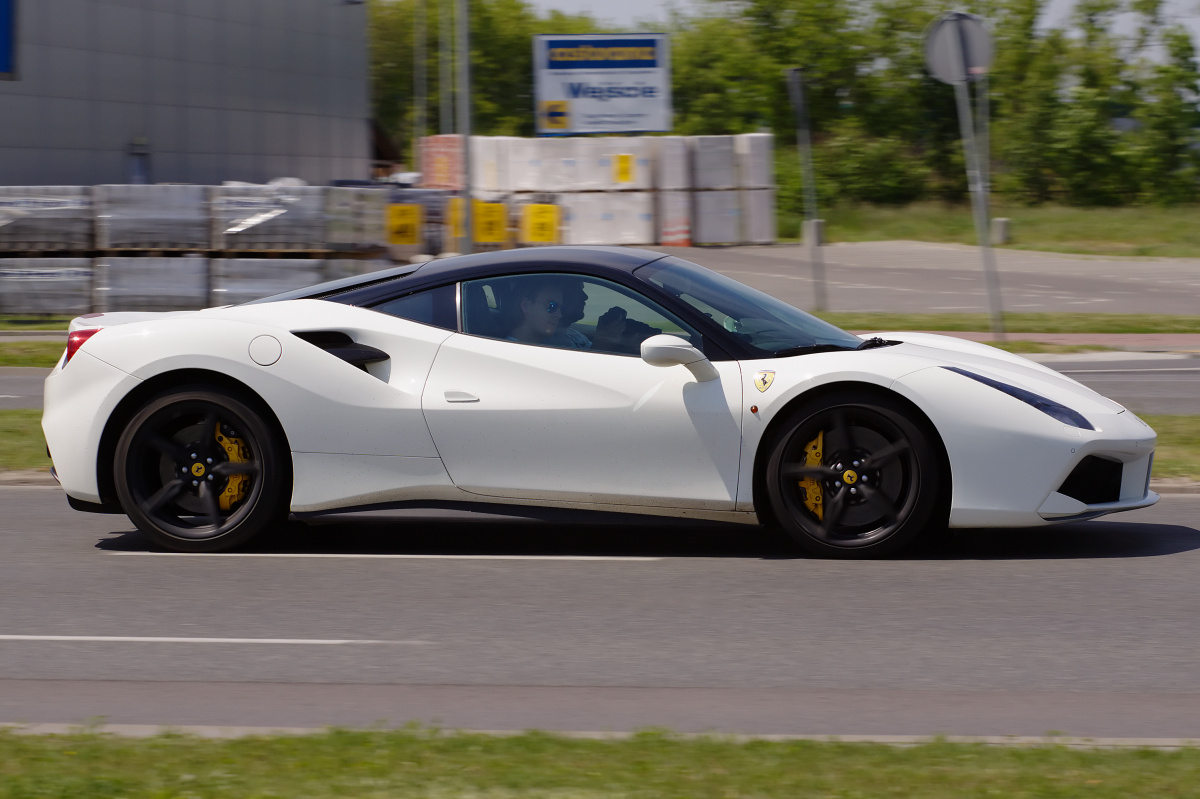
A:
(75, 341)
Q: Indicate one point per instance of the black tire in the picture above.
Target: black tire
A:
(874, 483)
(200, 470)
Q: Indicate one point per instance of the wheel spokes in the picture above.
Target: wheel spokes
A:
(169, 447)
(842, 428)
(212, 511)
(834, 510)
(235, 467)
(888, 453)
(797, 471)
(162, 496)
(876, 499)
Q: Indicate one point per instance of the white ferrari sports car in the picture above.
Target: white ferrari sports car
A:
(601, 379)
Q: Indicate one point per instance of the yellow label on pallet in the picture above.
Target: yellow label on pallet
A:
(539, 224)
(404, 224)
(490, 222)
(623, 168)
(454, 218)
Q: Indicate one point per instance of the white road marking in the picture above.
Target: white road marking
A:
(10, 396)
(1131, 371)
(137, 639)
(385, 557)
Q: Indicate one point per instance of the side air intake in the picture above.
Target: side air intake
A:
(341, 345)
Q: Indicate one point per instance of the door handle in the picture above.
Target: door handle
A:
(454, 395)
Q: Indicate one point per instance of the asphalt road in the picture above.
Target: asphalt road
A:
(1144, 382)
(914, 277)
(1090, 628)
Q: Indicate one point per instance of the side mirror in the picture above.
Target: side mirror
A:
(664, 350)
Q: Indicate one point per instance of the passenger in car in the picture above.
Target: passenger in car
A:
(541, 311)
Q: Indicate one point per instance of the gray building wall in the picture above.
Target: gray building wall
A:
(217, 89)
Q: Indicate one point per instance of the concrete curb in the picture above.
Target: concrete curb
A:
(212, 731)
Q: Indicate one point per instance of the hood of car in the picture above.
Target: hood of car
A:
(996, 364)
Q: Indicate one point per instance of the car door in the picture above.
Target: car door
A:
(574, 414)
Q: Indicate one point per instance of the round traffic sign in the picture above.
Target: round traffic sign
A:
(958, 48)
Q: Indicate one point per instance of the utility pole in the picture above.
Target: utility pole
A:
(446, 66)
(464, 120)
(420, 82)
(812, 224)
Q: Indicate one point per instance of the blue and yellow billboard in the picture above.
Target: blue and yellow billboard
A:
(602, 83)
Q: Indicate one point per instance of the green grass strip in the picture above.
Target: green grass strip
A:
(32, 322)
(1177, 453)
(534, 765)
(43, 354)
(22, 445)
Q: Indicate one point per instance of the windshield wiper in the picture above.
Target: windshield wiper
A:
(874, 342)
(810, 348)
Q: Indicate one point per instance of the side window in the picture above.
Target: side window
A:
(568, 312)
(430, 307)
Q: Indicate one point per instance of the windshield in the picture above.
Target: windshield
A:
(766, 324)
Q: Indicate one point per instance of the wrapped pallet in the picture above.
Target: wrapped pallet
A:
(354, 218)
(237, 280)
(560, 164)
(593, 166)
(630, 217)
(151, 284)
(45, 285)
(586, 218)
(675, 218)
(45, 218)
(627, 160)
(440, 160)
(269, 217)
(485, 164)
(163, 217)
(672, 156)
(756, 160)
(525, 165)
(715, 217)
(758, 216)
(714, 163)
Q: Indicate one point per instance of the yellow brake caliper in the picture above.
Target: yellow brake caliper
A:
(235, 489)
(812, 488)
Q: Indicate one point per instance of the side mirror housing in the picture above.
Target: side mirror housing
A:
(666, 350)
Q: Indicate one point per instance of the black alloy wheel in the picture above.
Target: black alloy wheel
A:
(199, 470)
(853, 477)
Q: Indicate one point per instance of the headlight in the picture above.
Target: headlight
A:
(1047, 406)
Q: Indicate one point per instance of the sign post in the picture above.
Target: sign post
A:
(8, 39)
(958, 51)
(464, 119)
(602, 83)
(812, 226)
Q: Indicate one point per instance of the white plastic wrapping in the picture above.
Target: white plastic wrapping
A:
(236, 280)
(269, 217)
(584, 218)
(627, 162)
(525, 164)
(675, 218)
(715, 217)
(151, 284)
(160, 217)
(756, 160)
(355, 218)
(45, 285)
(672, 155)
(714, 164)
(46, 218)
(630, 217)
(758, 216)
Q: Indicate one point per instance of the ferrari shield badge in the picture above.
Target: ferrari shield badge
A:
(764, 379)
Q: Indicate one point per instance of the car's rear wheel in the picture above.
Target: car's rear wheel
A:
(198, 470)
(850, 477)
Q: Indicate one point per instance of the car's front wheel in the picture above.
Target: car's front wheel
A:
(199, 470)
(853, 477)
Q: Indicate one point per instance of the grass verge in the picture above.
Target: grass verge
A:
(426, 764)
(32, 322)
(22, 446)
(42, 354)
(1018, 322)
(1131, 231)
